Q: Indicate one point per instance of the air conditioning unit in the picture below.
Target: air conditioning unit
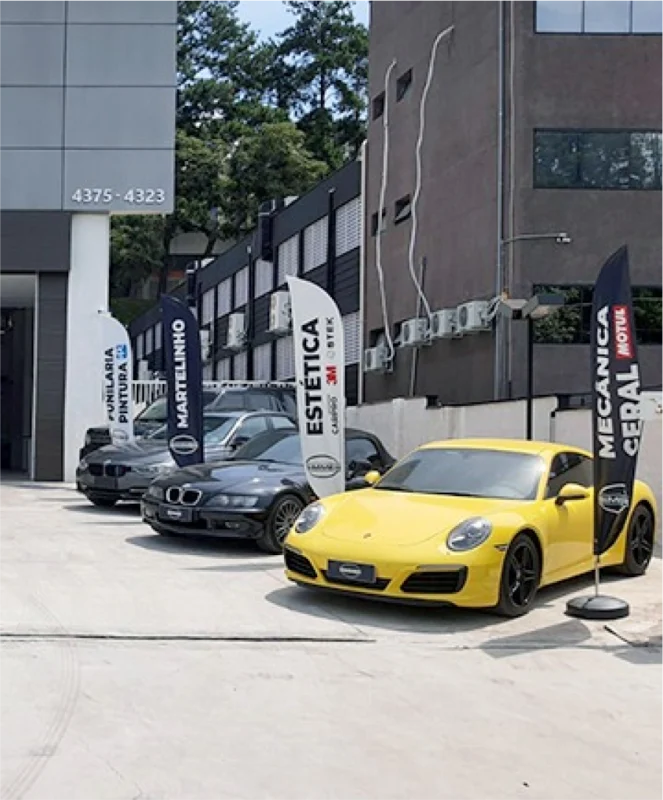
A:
(472, 317)
(205, 342)
(443, 324)
(280, 315)
(375, 360)
(236, 332)
(413, 332)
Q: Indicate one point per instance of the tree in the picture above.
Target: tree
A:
(136, 251)
(324, 68)
(272, 162)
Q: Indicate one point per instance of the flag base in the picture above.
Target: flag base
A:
(597, 606)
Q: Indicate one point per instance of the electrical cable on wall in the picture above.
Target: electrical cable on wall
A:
(418, 170)
(383, 190)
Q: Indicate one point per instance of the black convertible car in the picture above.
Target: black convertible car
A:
(258, 495)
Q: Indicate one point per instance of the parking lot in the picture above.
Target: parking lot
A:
(135, 666)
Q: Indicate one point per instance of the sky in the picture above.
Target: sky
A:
(269, 17)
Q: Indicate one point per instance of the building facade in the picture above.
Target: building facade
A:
(541, 118)
(316, 236)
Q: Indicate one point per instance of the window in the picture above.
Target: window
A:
(374, 222)
(597, 16)
(252, 427)
(572, 323)
(351, 335)
(403, 85)
(283, 423)
(224, 298)
(402, 209)
(149, 341)
(223, 369)
(242, 287)
(158, 336)
(140, 345)
(262, 362)
(315, 244)
(569, 468)
(597, 160)
(288, 258)
(348, 226)
(378, 106)
(285, 358)
(207, 309)
(362, 450)
(264, 277)
(239, 366)
(208, 370)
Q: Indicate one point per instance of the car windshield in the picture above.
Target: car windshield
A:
(467, 472)
(285, 448)
(155, 412)
(215, 428)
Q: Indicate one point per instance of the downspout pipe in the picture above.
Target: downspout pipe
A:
(362, 271)
(499, 273)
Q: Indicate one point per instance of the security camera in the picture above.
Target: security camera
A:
(563, 238)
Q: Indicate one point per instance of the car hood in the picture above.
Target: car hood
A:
(141, 428)
(138, 452)
(400, 519)
(249, 477)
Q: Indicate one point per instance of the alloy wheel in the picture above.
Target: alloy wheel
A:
(642, 539)
(522, 574)
(284, 518)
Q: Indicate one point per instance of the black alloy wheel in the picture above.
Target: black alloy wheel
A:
(639, 542)
(281, 519)
(521, 573)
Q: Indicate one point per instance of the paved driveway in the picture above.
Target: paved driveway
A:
(138, 667)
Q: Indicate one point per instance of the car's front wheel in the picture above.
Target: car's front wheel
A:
(281, 519)
(639, 542)
(521, 574)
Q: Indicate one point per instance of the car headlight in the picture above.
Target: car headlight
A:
(309, 518)
(88, 438)
(83, 464)
(157, 492)
(232, 501)
(150, 469)
(469, 534)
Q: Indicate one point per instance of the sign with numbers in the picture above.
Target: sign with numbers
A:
(84, 128)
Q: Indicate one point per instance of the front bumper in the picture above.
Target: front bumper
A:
(464, 579)
(129, 486)
(248, 523)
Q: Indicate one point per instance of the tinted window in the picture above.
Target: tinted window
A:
(252, 427)
(613, 16)
(276, 447)
(220, 426)
(597, 16)
(569, 468)
(362, 450)
(560, 17)
(156, 411)
(283, 423)
(467, 472)
(289, 404)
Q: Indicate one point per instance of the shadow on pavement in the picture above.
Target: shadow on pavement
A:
(250, 567)
(121, 510)
(381, 614)
(189, 545)
(563, 634)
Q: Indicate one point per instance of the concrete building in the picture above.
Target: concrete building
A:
(317, 236)
(541, 118)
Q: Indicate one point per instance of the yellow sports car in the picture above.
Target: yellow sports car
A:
(466, 522)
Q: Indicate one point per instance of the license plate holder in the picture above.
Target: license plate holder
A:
(175, 514)
(105, 482)
(352, 572)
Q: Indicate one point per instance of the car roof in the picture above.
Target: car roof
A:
(239, 412)
(509, 446)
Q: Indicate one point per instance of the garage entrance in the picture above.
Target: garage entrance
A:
(17, 293)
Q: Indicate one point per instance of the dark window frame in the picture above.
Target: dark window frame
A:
(403, 85)
(375, 227)
(582, 31)
(377, 106)
(402, 209)
(645, 337)
(578, 185)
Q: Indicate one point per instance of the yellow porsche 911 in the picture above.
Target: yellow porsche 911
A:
(466, 522)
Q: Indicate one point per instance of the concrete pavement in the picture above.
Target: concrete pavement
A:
(138, 667)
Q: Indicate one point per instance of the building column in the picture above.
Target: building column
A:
(87, 295)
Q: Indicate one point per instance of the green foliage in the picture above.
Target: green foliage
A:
(127, 309)
(255, 120)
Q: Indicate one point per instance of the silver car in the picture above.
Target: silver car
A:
(124, 472)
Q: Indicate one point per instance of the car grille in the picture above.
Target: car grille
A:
(99, 437)
(110, 470)
(296, 562)
(379, 584)
(441, 582)
(185, 497)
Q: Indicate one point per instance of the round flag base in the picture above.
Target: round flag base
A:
(597, 606)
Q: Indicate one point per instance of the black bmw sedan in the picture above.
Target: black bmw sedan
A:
(258, 495)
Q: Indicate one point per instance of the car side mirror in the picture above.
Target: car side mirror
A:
(372, 477)
(357, 469)
(239, 442)
(570, 492)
